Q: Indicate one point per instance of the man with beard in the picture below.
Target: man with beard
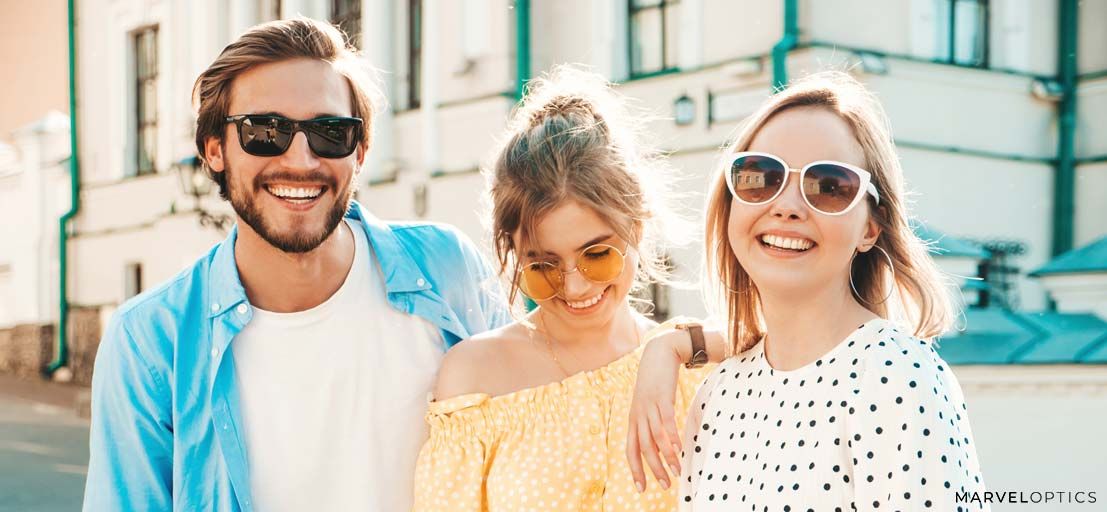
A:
(288, 368)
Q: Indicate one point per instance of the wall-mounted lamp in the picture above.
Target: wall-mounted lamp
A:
(1046, 89)
(196, 183)
(684, 110)
(872, 63)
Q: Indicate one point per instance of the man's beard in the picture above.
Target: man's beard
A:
(297, 241)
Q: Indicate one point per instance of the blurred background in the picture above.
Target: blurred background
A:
(998, 107)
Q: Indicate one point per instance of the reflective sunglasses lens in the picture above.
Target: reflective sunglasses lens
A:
(332, 138)
(600, 263)
(540, 281)
(755, 179)
(831, 188)
(264, 135)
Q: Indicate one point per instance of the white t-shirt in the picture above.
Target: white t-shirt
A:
(333, 397)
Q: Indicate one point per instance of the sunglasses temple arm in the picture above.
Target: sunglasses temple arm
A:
(872, 190)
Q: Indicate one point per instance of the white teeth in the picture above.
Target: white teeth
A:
(295, 192)
(797, 244)
(586, 303)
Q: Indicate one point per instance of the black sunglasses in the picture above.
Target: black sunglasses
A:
(266, 135)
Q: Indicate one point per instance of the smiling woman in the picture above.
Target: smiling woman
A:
(533, 415)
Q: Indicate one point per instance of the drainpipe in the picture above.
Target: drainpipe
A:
(522, 73)
(1064, 176)
(522, 46)
(786, 44)
(62, 357)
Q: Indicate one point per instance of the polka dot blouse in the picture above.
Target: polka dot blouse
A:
(878, 423)
(556, 447)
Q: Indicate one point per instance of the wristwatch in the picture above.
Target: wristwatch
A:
(699, 345)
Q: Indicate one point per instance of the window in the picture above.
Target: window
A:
(414, 52)
(269, 10)
(146, 99)
(960, 32)
(132, 280)
(652, 33)
(347, 15)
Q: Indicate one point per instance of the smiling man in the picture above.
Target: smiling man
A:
(288, 368)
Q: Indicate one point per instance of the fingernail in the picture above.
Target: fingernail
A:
(665, 484)
(641, 488)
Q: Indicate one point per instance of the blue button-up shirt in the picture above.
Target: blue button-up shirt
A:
(166, 431)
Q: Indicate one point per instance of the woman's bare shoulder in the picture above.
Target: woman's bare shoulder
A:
(478, 364)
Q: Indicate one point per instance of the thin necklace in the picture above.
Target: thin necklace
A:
(549, 346)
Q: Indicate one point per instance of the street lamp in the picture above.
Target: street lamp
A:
(684, 110)
(196, 183)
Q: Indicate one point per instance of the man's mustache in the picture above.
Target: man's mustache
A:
(295, 177)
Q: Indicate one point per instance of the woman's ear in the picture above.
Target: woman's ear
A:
(872, 231)
(213, 154)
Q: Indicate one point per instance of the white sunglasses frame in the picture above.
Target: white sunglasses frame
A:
(866, 181)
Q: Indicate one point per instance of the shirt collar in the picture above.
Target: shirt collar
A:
(400, 270)
(225, 286)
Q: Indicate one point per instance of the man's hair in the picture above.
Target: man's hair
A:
(276, 41)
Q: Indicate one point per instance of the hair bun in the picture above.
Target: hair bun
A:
(564, 106)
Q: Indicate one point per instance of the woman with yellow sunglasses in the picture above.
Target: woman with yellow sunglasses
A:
(534, 415)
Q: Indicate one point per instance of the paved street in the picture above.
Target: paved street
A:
(43, 453)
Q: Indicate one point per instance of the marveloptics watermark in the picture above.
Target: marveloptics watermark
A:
(1036, 497)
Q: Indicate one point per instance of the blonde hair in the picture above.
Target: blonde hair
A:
(918, 297)
(276, 41)
(572, 138)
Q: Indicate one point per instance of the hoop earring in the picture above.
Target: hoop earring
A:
(890, 267)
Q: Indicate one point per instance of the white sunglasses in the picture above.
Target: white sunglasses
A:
(828, 187)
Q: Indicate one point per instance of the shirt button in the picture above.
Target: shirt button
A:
(214, 307)
(421, 282)
(242, 309)
(594, 430)
(214, 352)
(597, 488)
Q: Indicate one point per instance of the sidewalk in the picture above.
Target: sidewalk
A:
(43, 445)
(75, 398)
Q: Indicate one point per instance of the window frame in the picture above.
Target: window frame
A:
(668, 62)
(984, 36)
(414, 53)
(145, 78)
(346, 14)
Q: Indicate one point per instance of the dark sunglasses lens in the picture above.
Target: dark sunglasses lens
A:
(830, 188)
(756, 179)
(264, 135)
(332, 138)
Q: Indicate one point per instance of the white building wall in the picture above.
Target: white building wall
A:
(34, 192)
(932, 107)
(1039, 428)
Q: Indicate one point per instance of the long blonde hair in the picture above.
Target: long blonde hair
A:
(574, 138)
(918, 298)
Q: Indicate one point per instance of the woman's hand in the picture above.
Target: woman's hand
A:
(652, 426)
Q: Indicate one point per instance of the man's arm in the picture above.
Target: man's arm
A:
(131, 442)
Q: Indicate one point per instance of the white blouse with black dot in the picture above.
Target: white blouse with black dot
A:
(878, 423)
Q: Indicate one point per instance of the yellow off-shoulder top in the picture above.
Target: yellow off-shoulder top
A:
(560, 446)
